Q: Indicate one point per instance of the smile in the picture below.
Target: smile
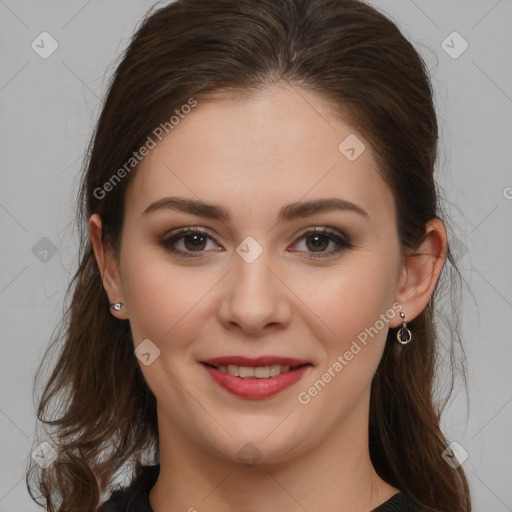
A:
(258, 372)
(256, 382)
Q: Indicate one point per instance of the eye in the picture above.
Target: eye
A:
(192, 240)
(318, 241)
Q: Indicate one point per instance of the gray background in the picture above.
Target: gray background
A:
(48, 108)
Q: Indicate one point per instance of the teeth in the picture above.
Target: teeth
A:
(245, 371)
(259, 372)
(232, 369)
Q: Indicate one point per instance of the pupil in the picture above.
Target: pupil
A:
(318, 244)
(196, 238)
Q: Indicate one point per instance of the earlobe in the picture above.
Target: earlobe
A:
(422, 269)
(107, 265)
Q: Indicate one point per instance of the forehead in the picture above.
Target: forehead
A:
(272, 147)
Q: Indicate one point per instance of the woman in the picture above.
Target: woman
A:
(252, 322)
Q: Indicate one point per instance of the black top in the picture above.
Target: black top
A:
(135, 498)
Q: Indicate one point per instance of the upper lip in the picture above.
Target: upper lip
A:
(254, 362)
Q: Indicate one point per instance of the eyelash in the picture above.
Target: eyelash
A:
(342, 241)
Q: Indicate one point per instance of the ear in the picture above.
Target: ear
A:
(108, 266)
(420, 272)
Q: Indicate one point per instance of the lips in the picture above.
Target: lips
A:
(250, 387)
(254, 362)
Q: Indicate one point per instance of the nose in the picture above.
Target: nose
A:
(255, 299)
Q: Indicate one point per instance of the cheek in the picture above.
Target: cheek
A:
(355, 306)
(160, 296)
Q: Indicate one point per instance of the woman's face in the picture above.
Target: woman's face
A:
(250, 279)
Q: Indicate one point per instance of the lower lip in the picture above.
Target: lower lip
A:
(256, 388)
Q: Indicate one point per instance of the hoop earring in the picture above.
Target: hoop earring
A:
(403, 335)
(117, 306)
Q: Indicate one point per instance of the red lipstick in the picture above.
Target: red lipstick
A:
(253, 387)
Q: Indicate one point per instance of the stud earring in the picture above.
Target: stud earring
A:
(116, 306)
(403, 335)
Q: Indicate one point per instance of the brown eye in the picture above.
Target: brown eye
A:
(317, 242)
(196, 241)
(191, 240)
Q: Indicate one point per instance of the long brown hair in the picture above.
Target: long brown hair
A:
(104, 415)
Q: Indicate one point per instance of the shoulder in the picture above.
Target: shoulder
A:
(135, 497)
(399, 502)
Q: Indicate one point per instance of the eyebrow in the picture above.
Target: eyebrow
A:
(287, 213)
